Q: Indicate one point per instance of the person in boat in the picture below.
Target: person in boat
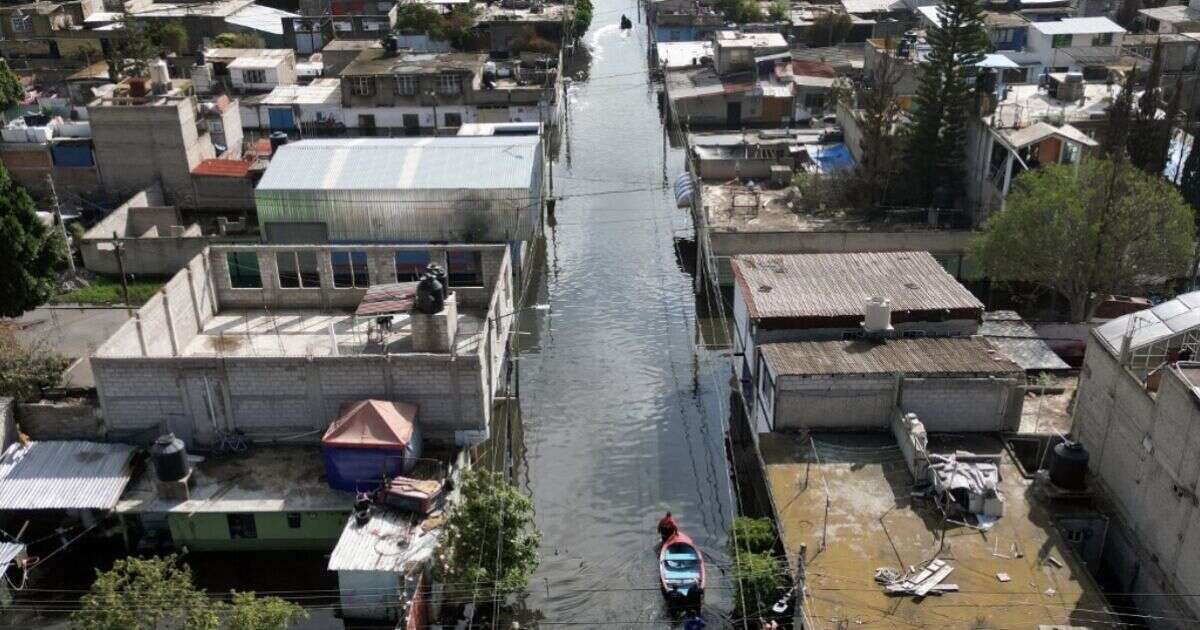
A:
(667, 527)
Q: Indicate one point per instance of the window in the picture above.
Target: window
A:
(362, 86)
(293, 519)
(298, 270)
(22, 23)
(243, 270)
(453, 120)
(406, 86)
(1061, 41)
(254, 76)
(464, 269)
(449, 84)
(241, 526)
(350, 270)
(1102, 39)
(410, 264)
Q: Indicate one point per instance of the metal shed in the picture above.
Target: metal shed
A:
(454, 189)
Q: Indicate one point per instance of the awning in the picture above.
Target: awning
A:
(372, 423)
(64, 475)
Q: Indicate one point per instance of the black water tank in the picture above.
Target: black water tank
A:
(278, 139)
(170, 458)
(1069, 465)
(430, 294)
(439, 274)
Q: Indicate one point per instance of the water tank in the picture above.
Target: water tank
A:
(170, 458)
(431, 297)
(439, 274)
(160, 76)
(877, 315)
(1069, 465)
(278, 139)
(202, 77)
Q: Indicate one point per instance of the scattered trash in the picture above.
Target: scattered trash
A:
(1003, 577)
(1055, 561)
(928, 581)
(968, 484)
(1050, 592)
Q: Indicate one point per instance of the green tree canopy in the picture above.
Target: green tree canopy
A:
(740, 11)
(168, 37)
(779, 10)
(490, 541)
(829, 29)
(154, 593)
(11, 90)
(583, 17)
(944, 102)
(29, 252)
(237, 40)
(1094, 228)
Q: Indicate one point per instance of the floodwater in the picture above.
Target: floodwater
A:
(622, 409)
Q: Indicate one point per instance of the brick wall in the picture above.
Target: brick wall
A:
(61, 420)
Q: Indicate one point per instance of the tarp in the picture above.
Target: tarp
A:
(372, 424)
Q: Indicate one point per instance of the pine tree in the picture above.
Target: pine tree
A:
(11, 90)
(945, 101)
(1114, 137)
(29, 252)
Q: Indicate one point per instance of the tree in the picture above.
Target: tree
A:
(1096, 228)
(879, 118)
(489, 542)
(11, 90)
(168, 37)
(1114, 136)
(263, 613)
(740, 11)
(779, 10)
(757, 574)
(583, 17)
(936, 152)
(240, 40)
(29, 252)
(153, 593)
(1149, 143)
(145, 594)
(27, 369)
(829, 29)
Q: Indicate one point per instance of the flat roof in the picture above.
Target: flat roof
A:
(1078, 26)
(925, 356)
(1026, 104)
(256, 62)
(319, 92)
(835, 285)
(682, 54)
(1018, 341)
(739, 39)
(851, 504)
(260, 18)
(64, 475)
(377, 61)
(451, 162)
(1172, 14)
(262, 479)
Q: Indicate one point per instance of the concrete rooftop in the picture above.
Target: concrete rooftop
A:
(298, 333)
(872, 521)
(738, 208)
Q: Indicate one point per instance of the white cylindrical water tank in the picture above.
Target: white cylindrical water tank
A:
(160, 75)
(877, 315)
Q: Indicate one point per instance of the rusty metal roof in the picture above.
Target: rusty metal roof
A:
(928, 356)
(833, 285)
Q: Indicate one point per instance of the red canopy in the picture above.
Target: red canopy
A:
(372, 424)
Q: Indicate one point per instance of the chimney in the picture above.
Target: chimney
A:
(877, 318)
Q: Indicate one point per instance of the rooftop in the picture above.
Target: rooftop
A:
(320, 91)
(218, 167)
(388, 542)
(924, 356)
(496, 12)
(850, 502)
(1039, 131)
(1153, 325)
(683, 54)
(1078, 26)
(874, 6)
(276, 479)
(231, 54)
(377, 61)
(991, 19)
(834, 285)
(1026, 103)
(700, 81)
(257, 62)
(738, 39)
(499, 162)
(1172, 14)
(63, 475)
(1018, 341)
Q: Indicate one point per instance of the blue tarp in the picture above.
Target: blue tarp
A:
(831, 157)
(361, 469)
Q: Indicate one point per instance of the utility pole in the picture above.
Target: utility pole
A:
(119, 250)
(62, 226)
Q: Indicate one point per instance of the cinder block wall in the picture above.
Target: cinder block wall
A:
(139, 145)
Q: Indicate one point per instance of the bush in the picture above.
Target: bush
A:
(26, 369)
(779, 10)
(237, 40)
(753, 535)
(741, 11)
(757, 581)
(830, 29)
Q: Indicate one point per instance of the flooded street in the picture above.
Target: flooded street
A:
(622, 414)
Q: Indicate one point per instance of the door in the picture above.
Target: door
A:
(733, 115)
(281, 118)
(412, 125)
(366, 124)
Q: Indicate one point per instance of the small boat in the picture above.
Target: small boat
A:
(681, 571)
(626, 23)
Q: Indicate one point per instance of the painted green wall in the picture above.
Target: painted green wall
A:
(210, 531)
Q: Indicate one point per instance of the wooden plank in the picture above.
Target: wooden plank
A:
(929, 570)
(924, 587)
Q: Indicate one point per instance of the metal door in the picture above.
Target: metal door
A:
(281, 118)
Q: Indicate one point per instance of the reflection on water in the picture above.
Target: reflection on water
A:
(621, 414)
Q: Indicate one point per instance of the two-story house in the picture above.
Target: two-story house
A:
(48, 38)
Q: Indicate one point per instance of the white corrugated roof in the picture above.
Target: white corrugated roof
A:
(1154, 324)
(476, 162)
(1078, 26)
(387, 542)
(260, 18)
(63, 475)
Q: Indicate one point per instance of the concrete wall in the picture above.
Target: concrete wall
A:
(143, 229)
(65, 420)
(8, 428)
(852, 403)
(1143, 452)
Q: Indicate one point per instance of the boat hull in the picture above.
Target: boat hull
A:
(681, 572)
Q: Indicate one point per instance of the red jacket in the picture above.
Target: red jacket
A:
(667, 526)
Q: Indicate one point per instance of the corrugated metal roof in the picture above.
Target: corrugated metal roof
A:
(930, 356)
(1018, 341)
(217, 167)
(63, 475)
(387, 542)
(260, 18)
(1151, 325)
(9, 552)
(404, 163)
(833, 285)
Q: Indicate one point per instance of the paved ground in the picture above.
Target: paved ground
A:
(73, 332)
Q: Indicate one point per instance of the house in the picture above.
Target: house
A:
(51, 39)
(766, 154)
(261, 342)
(681, 21)
(249, 70)
(505, 21)
(1173, 18)
(313, 110)
(321, 21)
(1180, 52)
(35, 147)
(748, 83)
(1073, 44)
(459, 189)
(146, 133)
(58, 481)
(820, 297)
(875, 18)
(1137, 413)
(205, 20)
(153, 238)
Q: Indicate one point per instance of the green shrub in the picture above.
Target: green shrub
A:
(753, 535)
(757, 581)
